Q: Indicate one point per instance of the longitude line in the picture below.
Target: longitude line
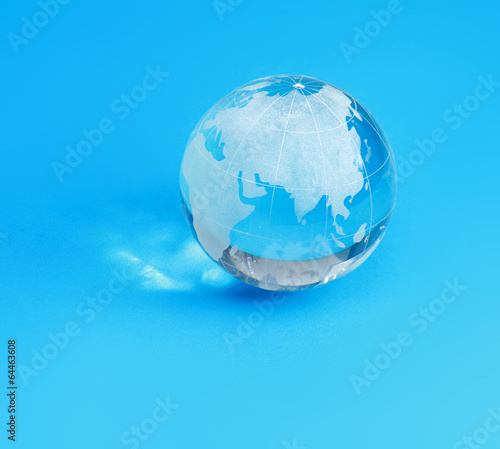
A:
(276, 177)
(364, 167)
(236, 151)
(323, 164)
(279, 160)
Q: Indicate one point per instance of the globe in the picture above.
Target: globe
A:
(288, 183)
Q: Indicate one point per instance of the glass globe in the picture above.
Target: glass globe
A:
(288, 182)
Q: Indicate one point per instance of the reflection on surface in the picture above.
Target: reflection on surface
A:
(165, 256)
(196, 270)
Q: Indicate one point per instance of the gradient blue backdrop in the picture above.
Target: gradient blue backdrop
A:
(288, 385)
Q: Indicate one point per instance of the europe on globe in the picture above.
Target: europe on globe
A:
(288, 183)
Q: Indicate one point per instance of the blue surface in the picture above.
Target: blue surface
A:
(287, 381)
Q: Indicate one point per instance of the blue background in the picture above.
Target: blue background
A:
(289, 383)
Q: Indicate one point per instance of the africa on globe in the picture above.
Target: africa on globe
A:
(288, 183)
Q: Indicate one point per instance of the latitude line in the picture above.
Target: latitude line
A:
(284, 240)
(202, 122)
(279, 187)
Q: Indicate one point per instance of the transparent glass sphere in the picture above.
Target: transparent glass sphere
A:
(288, 183)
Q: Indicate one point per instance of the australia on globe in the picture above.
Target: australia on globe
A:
(288, 183)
